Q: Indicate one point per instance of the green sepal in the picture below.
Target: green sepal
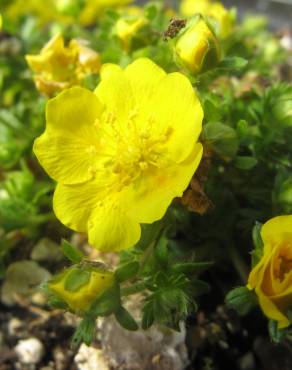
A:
(76, 279)
(276, 334)
(109, 302)
(257, 253)
(241, 299)
(125, 319)
(127, 271)
(71, 252)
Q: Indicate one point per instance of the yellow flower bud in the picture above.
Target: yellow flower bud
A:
(58, 67)
(197, 48)
(271, 278)
(223, 18)
(79, 287)
(128, 26)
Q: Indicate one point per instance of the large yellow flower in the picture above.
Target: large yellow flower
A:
(272, 276)
(121, 154)
(58, 67)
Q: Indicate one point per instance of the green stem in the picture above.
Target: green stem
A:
(238, 263)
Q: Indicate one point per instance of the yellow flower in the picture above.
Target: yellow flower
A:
(94, 8)
(196, 48)
(58, 67)
(44, 12)
(223, 18)
(79, 287)
(121, 154)
(272, 276)
(127, 27)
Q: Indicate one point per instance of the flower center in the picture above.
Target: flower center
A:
(137, 147)
(284, 262)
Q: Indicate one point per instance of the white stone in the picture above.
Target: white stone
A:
(90, 358)
(29, 351)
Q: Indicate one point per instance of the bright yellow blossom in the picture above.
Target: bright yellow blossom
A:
(94, 8)
(272, 276)
(121, 154)
(58, 67)
(197, 48)
(223, 17)
(79, 287)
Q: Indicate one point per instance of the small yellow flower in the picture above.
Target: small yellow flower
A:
(127, 27)
(223, 18)
(196, 48)
(94, 8)
(79, 287)
(272, 276)
(1, 22)
(121, 154)
(58, 67)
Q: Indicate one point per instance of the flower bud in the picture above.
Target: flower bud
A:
(128, 26)
(196, 47)
(222, 18)
(80, 286)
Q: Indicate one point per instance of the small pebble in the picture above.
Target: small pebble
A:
(29, 351)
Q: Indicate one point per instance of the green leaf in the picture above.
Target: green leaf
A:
(221, 138)
(125, 319)
(72, 253)
(127, 271)
(245, 162)
(148, 316)
(191, 267)
(108, 303)
(85, 332)
(161, 250)
(212, 112)
(232, 63)
(257, 253)
(241, 299)
(76, 279)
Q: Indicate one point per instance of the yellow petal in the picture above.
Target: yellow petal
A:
(73, 204)
(271, 310)
(176, 108)
(277, 229)
(144, 76)
(67, 149)
(151, 195)
(111, 228)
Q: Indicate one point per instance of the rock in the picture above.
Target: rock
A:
(14, 327)
(90, 358)
(22, 278)
(29, 351)
(46, 250)
(155, 349)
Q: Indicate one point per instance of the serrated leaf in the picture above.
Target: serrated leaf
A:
(72, 253)
(125, 319)
(127, 271)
